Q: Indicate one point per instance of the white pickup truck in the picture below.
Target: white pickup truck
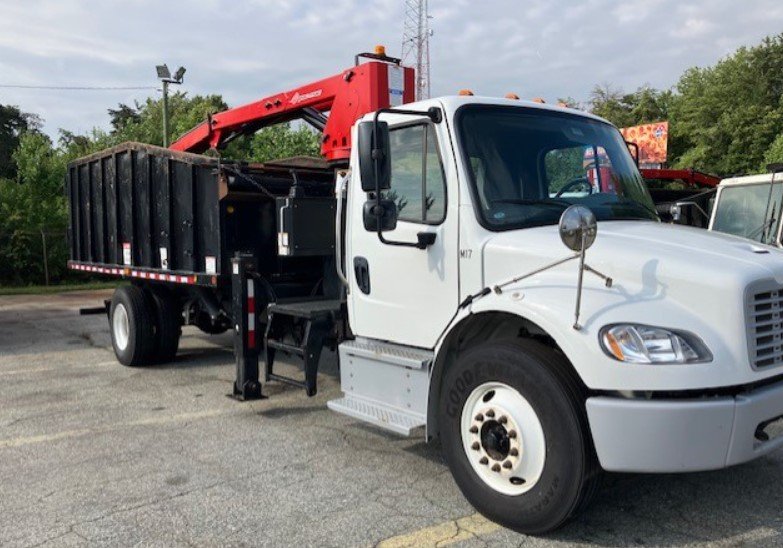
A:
(750, 207)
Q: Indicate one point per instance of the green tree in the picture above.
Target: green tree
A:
(13, 122)
(33, 207)
(282, 141)
(774, 154)
(643, 106)
(726, 117)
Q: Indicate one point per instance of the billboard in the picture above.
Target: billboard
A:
(652, 140)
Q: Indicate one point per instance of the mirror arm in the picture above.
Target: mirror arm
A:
(694, 204)
(424, 239)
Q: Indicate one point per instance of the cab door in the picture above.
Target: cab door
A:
(403, 294)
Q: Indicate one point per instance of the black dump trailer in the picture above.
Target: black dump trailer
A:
(213, 243)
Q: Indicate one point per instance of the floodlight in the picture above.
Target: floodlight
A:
(163, 71)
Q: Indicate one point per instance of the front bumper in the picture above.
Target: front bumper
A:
(686, 435)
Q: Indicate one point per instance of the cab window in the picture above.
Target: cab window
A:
(417, 181)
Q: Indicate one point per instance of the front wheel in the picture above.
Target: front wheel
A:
(515, 435)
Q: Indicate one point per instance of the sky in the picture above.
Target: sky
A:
(246, 49)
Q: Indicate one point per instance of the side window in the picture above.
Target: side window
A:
(417, 185)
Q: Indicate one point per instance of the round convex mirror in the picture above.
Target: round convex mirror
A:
(577, 225)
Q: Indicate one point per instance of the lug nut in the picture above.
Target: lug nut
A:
(496, 467)
(480, 417)
(503, 419)
(490, 413)
(476, 445)
(483, 460)
(512, 434)
(474, 429)
(513, 452)
(507, 464)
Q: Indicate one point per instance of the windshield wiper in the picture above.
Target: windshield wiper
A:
(622, 200)
(530, 201)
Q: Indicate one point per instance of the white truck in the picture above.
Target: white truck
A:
(452, 301)
(750, 207)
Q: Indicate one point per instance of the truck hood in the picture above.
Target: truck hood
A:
(643, 252)
(671, 276)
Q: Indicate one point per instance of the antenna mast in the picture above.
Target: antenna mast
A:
(416, 44)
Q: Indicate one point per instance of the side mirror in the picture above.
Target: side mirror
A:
(675, 210)
(633, 148)
(374, 156)
(578, 228)
(380, 216)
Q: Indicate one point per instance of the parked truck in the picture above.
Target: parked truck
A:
(426, 247)
(750, 207)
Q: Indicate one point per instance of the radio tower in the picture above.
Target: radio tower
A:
(416, 44)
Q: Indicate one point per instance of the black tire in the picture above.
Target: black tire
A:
(542, 376)
(168, 324)
(131, 301)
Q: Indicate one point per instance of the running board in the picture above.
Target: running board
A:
(394, 354)
(385, 417)
(384, 384)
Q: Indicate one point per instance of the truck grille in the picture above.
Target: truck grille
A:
(765, 328)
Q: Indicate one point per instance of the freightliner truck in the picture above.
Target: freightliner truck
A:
(427, 247)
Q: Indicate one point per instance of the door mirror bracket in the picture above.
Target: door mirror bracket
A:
(380, 214)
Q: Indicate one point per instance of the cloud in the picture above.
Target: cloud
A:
(249, 48)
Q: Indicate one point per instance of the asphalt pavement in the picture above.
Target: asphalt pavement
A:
(94, 453)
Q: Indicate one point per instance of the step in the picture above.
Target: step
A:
(287, 380)
(308, 309)
(386, 417)
(406, 356)
(285, 347)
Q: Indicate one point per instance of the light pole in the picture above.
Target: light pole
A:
(164, 75)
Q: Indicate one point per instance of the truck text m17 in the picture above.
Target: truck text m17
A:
(392, 253)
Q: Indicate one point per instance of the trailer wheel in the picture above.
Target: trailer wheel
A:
(168, 324)
(516, 437)
(131, 323)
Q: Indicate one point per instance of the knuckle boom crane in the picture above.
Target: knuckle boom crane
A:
(347, 96)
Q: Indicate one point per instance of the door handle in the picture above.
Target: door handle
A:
(361, 269)
(425, 239)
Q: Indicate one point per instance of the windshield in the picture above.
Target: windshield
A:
(528, 165)
(750, 211)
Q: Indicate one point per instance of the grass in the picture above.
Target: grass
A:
(47, 289)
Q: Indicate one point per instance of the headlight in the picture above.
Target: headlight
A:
(633, 343)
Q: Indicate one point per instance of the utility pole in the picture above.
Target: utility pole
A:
(164, 75)
(416, 44)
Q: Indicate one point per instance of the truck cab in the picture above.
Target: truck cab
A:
(675, 366)
(750, 207)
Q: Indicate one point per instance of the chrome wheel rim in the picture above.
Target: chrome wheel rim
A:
(120, 326)
(503, 438)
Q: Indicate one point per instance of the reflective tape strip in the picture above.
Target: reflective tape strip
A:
(251, 314)
(142, 274)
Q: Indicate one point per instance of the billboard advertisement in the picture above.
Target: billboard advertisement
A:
(652, 140)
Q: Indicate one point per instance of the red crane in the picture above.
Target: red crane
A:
(347, 96)
(691, 177)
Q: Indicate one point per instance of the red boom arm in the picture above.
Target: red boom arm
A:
(347, 96)
(689, 176)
